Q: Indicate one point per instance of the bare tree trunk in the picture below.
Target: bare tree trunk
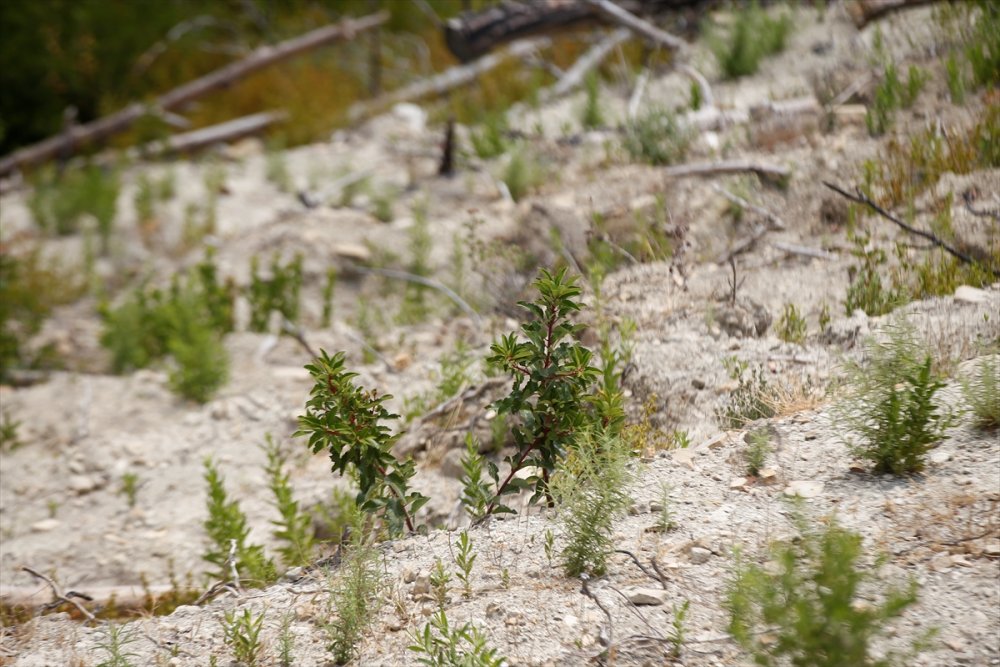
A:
(120, 121)
(231, 130)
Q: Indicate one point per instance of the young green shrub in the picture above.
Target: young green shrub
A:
(791, 326)
(753, 36)
(202, 364)
(889, 403)
(592, 115)
(553, 391)
(811, 604)
(590, 489)
(678, 631)
(130, 488)
(9, 440)
(867, 291)
(286, 641)
(751, 400)
(241, 632)
(414, 308)
(955, 78)
(982, 392)
(756, 452)
(657, 138)
(476, 493)
(439, 579)
(279, 292)
(982, 49)
(58, 203)
(665, 516)
(227, 524)
(465, 560)
(490, 139)
(523, 173)
(349, 422)
(113, 643)
(440, 645)
(276, 170)
(355, 596)
(328, 287)
(294, 528)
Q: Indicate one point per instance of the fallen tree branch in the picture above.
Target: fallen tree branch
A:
(767, 171)
(102, 128)
(636, 25)
(445, 81)
(469, 394)
(862, 198)
(863, 12)
(59, 597)
(426, 282)
(231, 130)
(592, 58)
(805, 251)
(775, 222)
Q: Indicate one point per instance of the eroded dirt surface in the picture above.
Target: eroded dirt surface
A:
(62, 512)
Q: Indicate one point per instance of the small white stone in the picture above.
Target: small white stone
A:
(804, 488)
(939, 456)
(45, 525)
(969, 294)
(700, 555)
(646, 596)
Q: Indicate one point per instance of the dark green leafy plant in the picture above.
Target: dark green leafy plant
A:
(810, 605)
(350, 423)
(553, 381)
(226, 524)
(890, 403)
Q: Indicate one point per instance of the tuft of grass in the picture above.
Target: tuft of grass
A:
(277, 292)
(590, 489)
(58, 202)
(792, 325)
(981, 388)
(657, 138)
(809, 605)
(889, 402)
(490, 139)
(751, 400)
(867, 291)
(9, 440)
(753, 36)
(756, 452)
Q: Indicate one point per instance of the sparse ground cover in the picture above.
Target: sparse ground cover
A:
(698, 491)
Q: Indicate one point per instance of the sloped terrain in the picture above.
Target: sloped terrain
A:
(62, 511)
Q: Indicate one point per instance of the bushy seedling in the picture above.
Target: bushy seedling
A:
(892, 94)
(791, 326)
(751, 400)
(114, 642)
(241, 632)
(889, 404)
(202, 364)
(441, 645)
(867, 291)
(130, 488)
(225, 524)
(590, 489)
(550, 545)
(9, 440)
(592, 115)
(476, 494)
(355, 596)
(278, 292)
(665, 517)
(490, 139)
(523, 173)
(465, 560)
(810, 605)
(294, 528)
(657, 138)
(59, 202)
(756, 452)
(328, 287)
(454, 375)
(439, 579)
(678, 631)
(276, 170)
(982, 392)
(350, 423)
(753, 36)
(29, 290)
(982, 48)
(642, 437)
(286, 641)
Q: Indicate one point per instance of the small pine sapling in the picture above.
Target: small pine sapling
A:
(241, 632)
(465, 560)
(294, 528)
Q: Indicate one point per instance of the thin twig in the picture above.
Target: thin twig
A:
(59, 596)
(426, 282)
(585, 589)
(862, 198)
(593, 57)
(288, 327)
(635, 559)
(775, 222)
(768, 171)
